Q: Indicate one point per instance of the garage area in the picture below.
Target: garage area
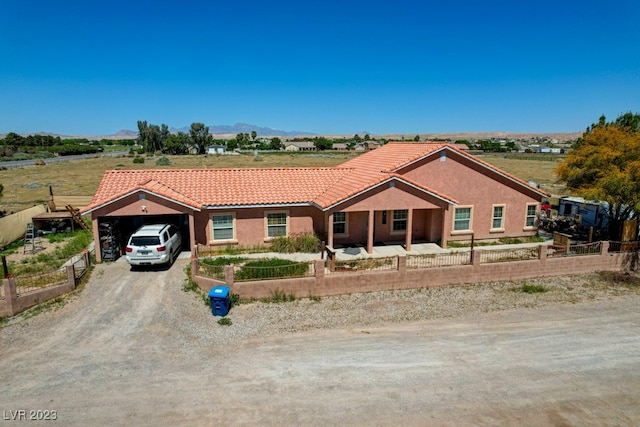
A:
(114, 231)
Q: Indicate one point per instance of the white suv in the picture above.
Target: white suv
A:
(154, 244)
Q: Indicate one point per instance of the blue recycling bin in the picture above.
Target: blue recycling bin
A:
(220, 302)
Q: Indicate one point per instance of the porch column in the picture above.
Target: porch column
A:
(330, 231)
(409, 230)
(370, 232)
(443, 239)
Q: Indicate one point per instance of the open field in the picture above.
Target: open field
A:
(539, 171)
(24, 187)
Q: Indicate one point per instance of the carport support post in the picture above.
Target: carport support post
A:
(96, 239)
(370, 232)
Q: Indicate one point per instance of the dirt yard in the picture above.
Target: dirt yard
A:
(133, 348)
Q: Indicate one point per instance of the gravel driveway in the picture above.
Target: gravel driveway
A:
(134, 348)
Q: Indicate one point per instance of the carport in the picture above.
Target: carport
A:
(116, 219)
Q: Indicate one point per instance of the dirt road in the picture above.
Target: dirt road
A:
(134, 349)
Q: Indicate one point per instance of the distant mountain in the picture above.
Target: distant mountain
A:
(244, 128)
(124, 133)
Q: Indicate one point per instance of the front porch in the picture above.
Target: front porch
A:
(385, 231)
(382, 250)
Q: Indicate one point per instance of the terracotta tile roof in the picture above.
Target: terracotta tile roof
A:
(221, 187)
(392, 156)
(323, 187)
(359, 180)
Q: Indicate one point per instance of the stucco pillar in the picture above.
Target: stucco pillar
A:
(370, 232)
(71, 275)
(192, 234)
(228, 275)
(319, 270)
(409, 230)
(443, 231)
(96, 239)
(542, 253)
(10, 295)
(330, 231)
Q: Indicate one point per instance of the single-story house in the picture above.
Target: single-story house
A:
(216, 149)
(299, 146)
(400, 192)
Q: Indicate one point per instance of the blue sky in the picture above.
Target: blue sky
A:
(332, 67)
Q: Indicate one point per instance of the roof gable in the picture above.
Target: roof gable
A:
(394, 156)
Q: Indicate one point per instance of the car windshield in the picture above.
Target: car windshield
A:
(145, 241)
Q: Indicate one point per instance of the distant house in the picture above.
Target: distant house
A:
(366, 145)
(399, 192)
(549, 150)
(340, 146)
(299, 146)
(216, 149)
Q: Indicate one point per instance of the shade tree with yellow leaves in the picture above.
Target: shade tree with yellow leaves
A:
(605, 165)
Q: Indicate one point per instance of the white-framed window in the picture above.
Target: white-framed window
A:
(340, 223)
(497, 222)
(399, 221)
(530, 220)
(462, 218)
(223, 226)
(276, 223)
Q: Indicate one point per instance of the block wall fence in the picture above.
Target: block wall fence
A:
(326, 283)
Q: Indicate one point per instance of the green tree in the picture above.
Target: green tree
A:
(254, 135)
(142, 132)
(322, 143)
(416, 138)
(275, 144)
(199, 137)
(605, 166)
(154, 139)
(13, 138)
(232, 144)
(177, 144)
